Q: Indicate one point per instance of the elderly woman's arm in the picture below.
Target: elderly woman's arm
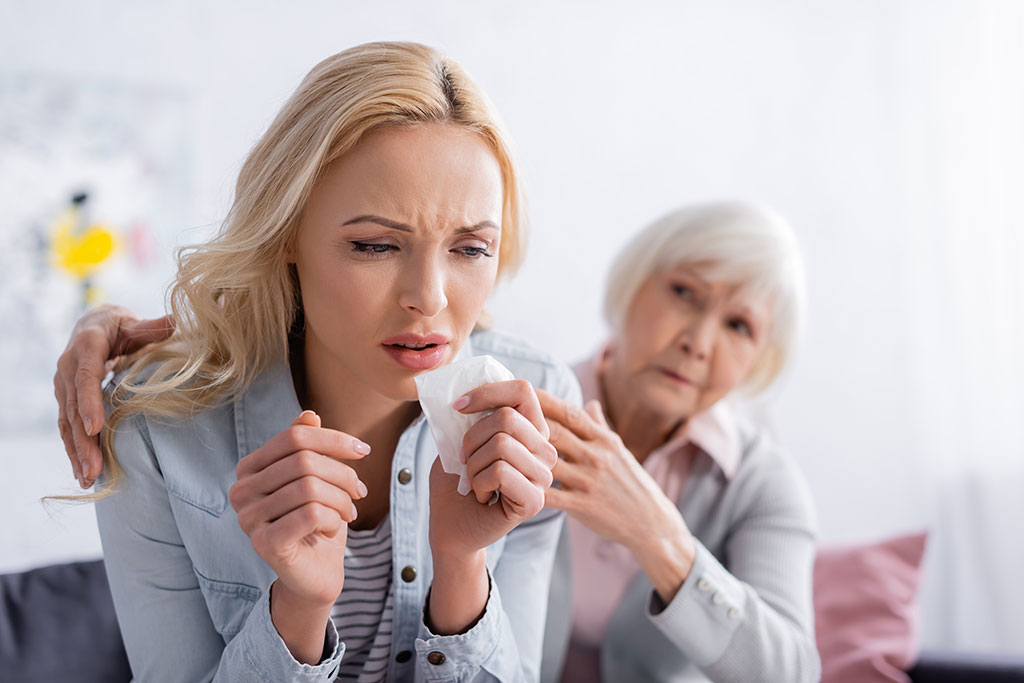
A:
(752, 621)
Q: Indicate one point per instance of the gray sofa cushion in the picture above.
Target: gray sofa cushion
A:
(57, 623)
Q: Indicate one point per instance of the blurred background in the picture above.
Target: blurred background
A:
(891, 134)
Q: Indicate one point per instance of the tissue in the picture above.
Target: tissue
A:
(437, 391)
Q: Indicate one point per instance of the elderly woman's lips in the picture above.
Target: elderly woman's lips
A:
(678, 379)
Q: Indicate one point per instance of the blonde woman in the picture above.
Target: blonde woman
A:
(270, 505)
(690, 540)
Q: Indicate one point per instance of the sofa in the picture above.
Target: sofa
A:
(57, 623)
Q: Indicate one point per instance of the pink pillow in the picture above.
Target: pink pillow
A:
(865, 610)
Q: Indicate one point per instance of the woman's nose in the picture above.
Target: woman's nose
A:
(698, 337)
(422, 288)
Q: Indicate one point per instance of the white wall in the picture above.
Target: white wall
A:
(887, 132)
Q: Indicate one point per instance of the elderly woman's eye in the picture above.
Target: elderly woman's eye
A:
(742, 327)
(682, 291)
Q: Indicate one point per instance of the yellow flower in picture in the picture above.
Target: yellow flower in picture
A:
(81, 253)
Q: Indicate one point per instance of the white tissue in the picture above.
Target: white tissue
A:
(438, 390)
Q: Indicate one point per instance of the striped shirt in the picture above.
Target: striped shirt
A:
(363, 613)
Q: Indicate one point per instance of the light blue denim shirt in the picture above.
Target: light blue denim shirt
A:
(192, 596)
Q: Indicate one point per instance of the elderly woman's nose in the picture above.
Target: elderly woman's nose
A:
(698, 336)
(422, 287)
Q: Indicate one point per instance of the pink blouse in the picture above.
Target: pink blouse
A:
(602, 569)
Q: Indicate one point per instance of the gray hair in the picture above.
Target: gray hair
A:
(735, 242)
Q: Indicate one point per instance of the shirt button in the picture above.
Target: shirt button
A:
(703, 584)
(718, 598)
(436, 658)
(403, 656)
(733, 612)
(409, 574)
(404, 476)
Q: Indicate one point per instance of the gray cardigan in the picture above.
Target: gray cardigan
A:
(744, 613)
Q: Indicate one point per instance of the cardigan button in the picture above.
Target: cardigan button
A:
(704, 584)
(718, 598)
(436, 658)
(409, 574)
(404, 475)
(733, 612)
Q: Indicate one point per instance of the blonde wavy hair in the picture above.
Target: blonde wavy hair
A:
(235, 298)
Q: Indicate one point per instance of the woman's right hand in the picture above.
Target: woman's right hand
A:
(101, 336)
(294, 498)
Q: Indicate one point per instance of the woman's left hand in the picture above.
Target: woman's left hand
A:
(604, 487)
(507, 452)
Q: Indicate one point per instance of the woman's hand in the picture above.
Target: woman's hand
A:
(506, 452)
(294, 498)
(98, 339)
(604, 487)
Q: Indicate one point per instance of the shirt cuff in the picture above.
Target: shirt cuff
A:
(265, 651)
(460, 657)
(706, 611)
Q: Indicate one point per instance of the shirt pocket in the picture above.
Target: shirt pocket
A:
(229, 603)
(211, 499)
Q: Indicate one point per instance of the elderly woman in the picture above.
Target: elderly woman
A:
(690, 533)
(690, 540)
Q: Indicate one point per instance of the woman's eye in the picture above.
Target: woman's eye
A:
(682, 291)
(474, 252)
(368, 248)
(742, 327)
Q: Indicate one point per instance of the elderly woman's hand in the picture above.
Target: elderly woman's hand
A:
(100, 337)
(605, 488)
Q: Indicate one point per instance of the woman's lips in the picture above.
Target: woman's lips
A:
(678, 379)
(417, 359)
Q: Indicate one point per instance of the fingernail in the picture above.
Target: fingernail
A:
(461, 402)
(84, 467)
(355, 513)
(360, 447)
(87, 423)
(362, 489)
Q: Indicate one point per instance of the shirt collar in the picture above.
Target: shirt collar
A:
(715, 431)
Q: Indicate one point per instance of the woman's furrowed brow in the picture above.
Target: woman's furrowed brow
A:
(387, 223)
(395, 225)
